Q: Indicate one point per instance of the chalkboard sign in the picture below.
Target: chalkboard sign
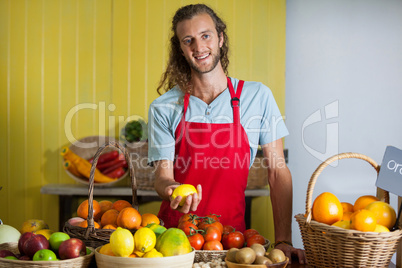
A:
(390, 176)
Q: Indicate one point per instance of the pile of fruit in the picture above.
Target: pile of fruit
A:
(255, 254)
(109, 168)
(367, 214)
(208, 233)
(38, 243)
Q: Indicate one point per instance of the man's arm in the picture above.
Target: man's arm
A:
(281, 192)
(165, 185)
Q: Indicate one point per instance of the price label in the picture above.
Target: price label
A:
(390, 175)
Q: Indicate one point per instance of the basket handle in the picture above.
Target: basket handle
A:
(91, 227)
(324, 164)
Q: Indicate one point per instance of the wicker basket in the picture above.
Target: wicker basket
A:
(144, 174)
(329, 246)
(209, 255)
(80, 262)
(97, 237)
(92, 144)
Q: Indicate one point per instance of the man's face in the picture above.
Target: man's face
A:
(200, 43)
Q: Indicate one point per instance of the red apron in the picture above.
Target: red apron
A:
(217, 156)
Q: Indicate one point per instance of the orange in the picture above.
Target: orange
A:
(148, 218)
(109, 217)
(132, 255)
(85, 224)
(346, 216)
(106, 250)
(129, 218)
(347, 207)
(120, 204)
(327, 208)
(110, 226)
(363, 201)
(363, 220)
(82, 210)
(343, 224)
(384, 213)
(105, 205)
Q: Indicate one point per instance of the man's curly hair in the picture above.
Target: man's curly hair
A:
(178, 71)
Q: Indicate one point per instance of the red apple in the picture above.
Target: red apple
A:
(24, 237)
(24, 258)
(35, 243)
(72, 248)
(5, 253)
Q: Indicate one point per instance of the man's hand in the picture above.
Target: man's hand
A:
(191, 202)
(291, 251)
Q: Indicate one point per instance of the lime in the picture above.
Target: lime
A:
(183, 190)
(44, 255)
(158, 229)
(122, 242)
(144, 239)
(11, 258)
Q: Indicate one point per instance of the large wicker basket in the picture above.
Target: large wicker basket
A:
(329, 246)
(98, 237)
(80, 262)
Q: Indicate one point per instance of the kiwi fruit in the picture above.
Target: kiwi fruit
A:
(262, 260)
(231, 254)
(245, 256)
(259, 249)
(277, 255)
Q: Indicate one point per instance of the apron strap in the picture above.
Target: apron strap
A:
(186, 101)
(235, 99)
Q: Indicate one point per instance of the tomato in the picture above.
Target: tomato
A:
(196, 241)
(212, 233)
(212, 245)
(185, 226)
(214, 216)
(249, 233)
(194, 219)
(228, 229)
(210, 222)
(233, 239)
(256, 239)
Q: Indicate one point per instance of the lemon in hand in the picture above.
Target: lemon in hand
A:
(183, 190)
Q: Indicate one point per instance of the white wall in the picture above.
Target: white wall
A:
(346, 57)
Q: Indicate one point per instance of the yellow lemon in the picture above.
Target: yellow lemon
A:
(106, 250)
(183, 190)
(122, 242)
(138, 253)
(342, 224)
(380, 229)
(145, 239)
(46, 232)
(153, 254)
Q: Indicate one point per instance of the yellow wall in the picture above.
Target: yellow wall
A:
(58, 55)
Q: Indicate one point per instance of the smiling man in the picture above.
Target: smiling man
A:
(205, 130)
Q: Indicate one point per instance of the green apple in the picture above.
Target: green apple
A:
(56, 239)
(44, 255)
(11, 258)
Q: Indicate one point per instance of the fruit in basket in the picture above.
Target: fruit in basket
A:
(212, 245)
(249, 233)
(105, 205)
(363, 220)
(106, 250)
(24, 237)
(276, 255)
(110, 227)
(149, 218)
(231, 254)
(75, 221)
(72, 248)
(56, 239)
(35, 243)
(183, 190)
(346, 215)
(84, 224)
(262, 260)
(347, 207)
(144, 240)
(129, 218)
(109, 217)
(245, 256)
(327, 208)
(157, 229)
(363, 201)
(384, 213)
(46, 232)
(255, 239)
(342, 224)
(33, 226)
(153, 254)
(8, 234)
(119, 205)
(5, 253)
(82, 210)
(233, 239)
(258, 249)
(196, 240)
(173, 242)
(44, 255)
(122, 242)
(11, 258)
(380, 229)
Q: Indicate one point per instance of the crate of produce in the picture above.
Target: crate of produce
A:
(331, 246)
(79, 262)
(92, 236)
(78, 157)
